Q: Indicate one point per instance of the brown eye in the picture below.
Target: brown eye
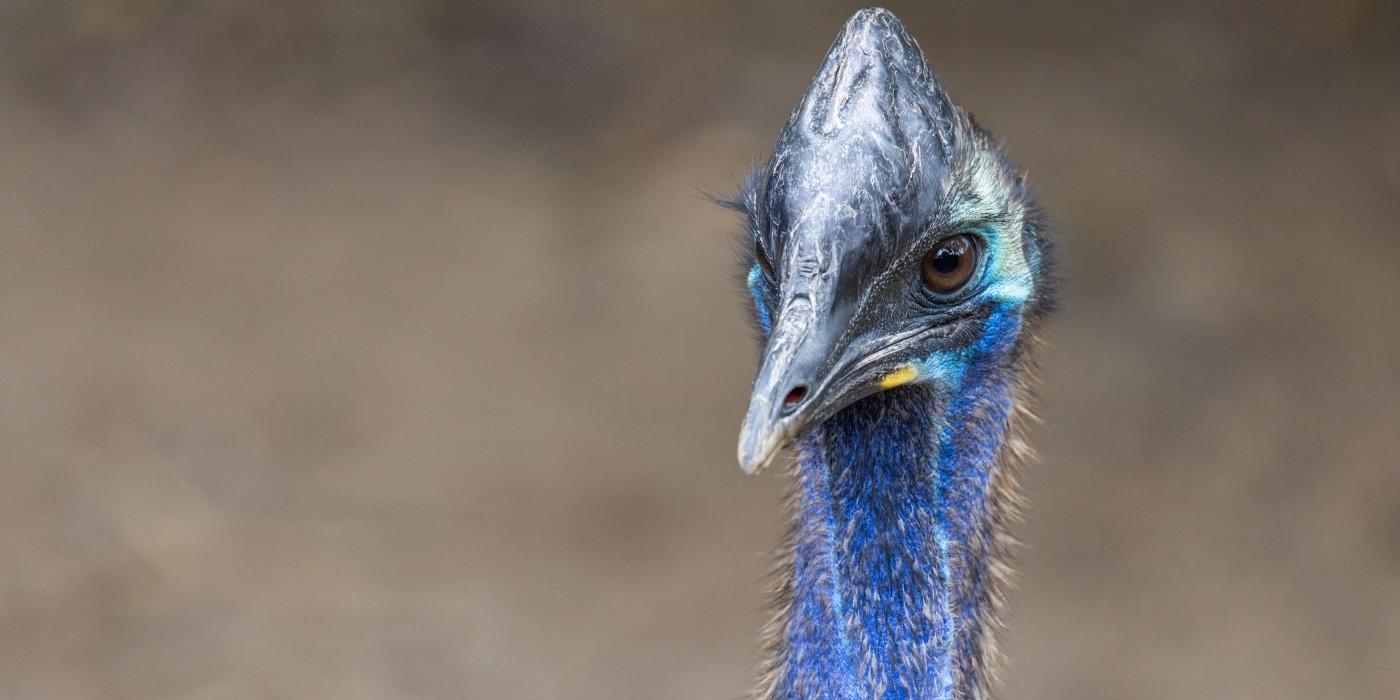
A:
(950, 265)
(763, 260)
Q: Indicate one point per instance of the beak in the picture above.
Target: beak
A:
(790, 386)
(864, 158)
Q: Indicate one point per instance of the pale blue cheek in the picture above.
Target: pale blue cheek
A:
(756, 291)
(944, 367)
(950, 367)
(1011, 279)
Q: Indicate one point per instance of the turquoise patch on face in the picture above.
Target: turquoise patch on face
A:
(755, 282)
(1009, 274)
(949, 367)
(945, 367)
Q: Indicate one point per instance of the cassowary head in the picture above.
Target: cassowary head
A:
(892, 242)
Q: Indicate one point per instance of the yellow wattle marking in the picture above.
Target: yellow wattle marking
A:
(903, 375)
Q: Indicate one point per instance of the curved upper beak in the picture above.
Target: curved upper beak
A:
(790, 386)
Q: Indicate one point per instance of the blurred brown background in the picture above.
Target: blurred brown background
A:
(390, 350)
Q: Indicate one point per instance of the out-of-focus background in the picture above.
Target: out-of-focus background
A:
(391, 350)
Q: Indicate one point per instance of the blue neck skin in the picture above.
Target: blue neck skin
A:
(892, 538)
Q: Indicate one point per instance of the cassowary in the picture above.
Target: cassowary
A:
(899, 270)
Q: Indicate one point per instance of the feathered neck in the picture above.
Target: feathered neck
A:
(890, 579)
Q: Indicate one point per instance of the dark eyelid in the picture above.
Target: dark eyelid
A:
(764, 260)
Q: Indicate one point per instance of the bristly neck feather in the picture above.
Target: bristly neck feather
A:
(889, 584)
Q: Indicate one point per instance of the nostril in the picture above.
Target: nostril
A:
(795, 396)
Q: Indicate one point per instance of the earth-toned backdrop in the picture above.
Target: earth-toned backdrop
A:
(392, 350)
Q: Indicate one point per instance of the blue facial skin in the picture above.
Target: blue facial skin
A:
(891, 493)
(755, 285)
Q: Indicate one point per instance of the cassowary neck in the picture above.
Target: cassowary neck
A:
(896, 547)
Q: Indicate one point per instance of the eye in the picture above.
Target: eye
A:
(949, 266)
(763, 261)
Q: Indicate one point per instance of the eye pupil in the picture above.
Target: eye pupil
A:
(945, 261)
(948, 267)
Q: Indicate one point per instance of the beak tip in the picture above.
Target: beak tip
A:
(748, 461)
(751, 466)
(758, 451)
